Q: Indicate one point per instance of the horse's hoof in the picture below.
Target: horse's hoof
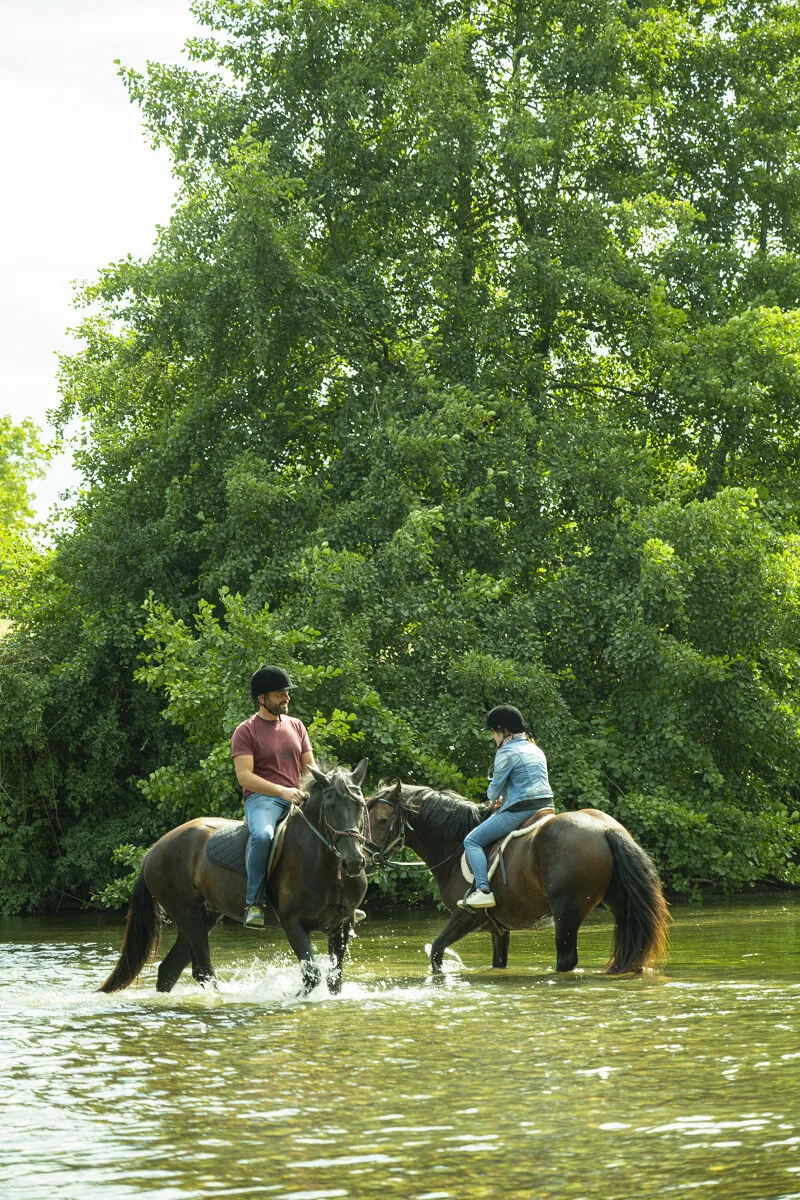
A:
(312, 977)
(334, 982)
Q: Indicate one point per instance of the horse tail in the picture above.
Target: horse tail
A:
(641, 935)
(141, 939)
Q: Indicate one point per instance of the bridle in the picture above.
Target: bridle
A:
(381, 856)
(328, 834)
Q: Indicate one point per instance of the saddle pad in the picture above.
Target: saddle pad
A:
(228, 846)
(531, 827)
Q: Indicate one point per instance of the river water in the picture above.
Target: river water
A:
(514, 1084)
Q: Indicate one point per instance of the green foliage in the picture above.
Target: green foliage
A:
(118, 892)
(204, 673)
(465, 370)
(22, 459)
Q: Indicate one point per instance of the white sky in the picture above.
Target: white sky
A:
(80, 186)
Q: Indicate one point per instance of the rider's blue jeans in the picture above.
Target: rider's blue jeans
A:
(495, 827)
(263, 815)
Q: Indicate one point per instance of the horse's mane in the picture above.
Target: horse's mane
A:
(442, 815)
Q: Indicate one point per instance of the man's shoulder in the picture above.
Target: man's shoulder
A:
(243, 728)
(295, 723)
(247, 723)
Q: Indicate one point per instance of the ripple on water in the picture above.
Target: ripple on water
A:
(523, 1083)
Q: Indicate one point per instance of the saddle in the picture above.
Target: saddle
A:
(529, 828)
(228, 846)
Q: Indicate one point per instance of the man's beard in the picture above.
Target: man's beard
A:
(277, 710)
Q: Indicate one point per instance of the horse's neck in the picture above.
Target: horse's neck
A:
(422, 846)
(429, 845)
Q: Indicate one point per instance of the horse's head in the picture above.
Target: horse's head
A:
(342, 812)
(386, 820)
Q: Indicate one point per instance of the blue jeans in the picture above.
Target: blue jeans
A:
(263, 815)
(495, 827)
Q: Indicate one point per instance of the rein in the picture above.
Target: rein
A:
(331, 835)
(381, 855)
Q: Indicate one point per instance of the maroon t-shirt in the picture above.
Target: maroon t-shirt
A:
(276, 747)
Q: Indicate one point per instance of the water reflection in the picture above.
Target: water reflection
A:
(520, 1083)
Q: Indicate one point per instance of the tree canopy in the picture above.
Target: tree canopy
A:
(22, 458)
(467, 369)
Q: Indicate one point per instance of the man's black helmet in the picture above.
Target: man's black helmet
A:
(269, 679)
(505, 716)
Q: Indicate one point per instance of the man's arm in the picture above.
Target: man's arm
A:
(255, 783)
(307, 759)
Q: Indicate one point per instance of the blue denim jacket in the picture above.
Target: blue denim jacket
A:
(520, 774)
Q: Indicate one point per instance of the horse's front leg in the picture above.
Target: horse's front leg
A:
(300, 941)
(337, 948)
(460, 924)
(500, 942)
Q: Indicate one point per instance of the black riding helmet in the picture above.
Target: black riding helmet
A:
(505, 716)
(269, 679)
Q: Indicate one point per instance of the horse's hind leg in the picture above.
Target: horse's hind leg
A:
(337, 948)
(500, 940)
(567, 917)
(195, 927)
(173, 964)
(460, 924)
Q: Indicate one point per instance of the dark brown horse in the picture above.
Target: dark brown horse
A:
(566, 868)
(318, 883)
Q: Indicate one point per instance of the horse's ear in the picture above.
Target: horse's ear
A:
(360, 772)
(320, 776)
(397, 791)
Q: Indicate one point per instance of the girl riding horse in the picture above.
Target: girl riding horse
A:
(519, 785)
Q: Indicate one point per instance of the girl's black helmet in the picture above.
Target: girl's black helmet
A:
(505, 716)
(269, 679)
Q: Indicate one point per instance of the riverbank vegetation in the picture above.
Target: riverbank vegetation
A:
(467, 369)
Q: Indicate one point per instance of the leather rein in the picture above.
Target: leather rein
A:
(381, 856)
(328, 835)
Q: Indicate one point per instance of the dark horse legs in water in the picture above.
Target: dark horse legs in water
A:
(500, 943)
(191, 946)
(460, 924)
(300, 940)
(567, 917)
(337, 948)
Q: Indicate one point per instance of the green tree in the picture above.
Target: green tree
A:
(465, 369)
(22, 459)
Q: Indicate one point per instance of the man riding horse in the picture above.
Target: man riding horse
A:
(270, 752)
(316, 885)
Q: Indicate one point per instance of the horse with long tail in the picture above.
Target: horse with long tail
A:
(317, 884)
(564, 866)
